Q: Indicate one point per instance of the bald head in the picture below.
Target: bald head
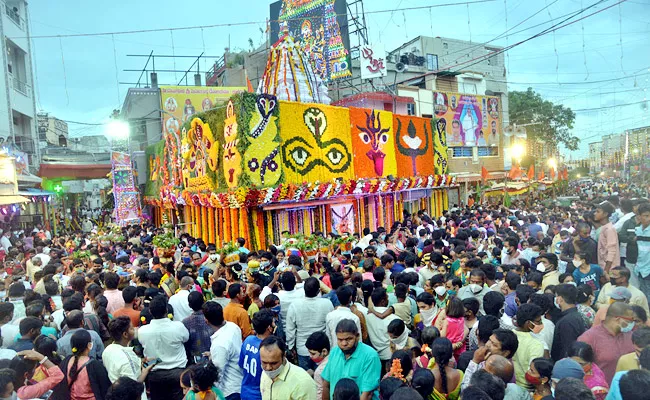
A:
(187, 282)
(500, 366)
(619, 309)
(74, 319)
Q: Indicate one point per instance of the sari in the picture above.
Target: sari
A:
(596, 382)
(453, 395)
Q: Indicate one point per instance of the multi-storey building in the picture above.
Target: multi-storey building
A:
(18, 105)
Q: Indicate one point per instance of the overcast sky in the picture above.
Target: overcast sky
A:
(77, 78)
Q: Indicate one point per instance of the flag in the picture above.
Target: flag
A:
(531, 172)
(484, 174)
(551, 173)
(515, 173)
(566, 174)
(249, 85)
(541, 175)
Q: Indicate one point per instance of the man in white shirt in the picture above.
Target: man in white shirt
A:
(179, 301)
(287, 296)
(9, 331)
(305, 317)
(120, 359)
(377, 327)
(44, 255)
(5, 243)
(344, 294)
(224, 350)
(164, 339)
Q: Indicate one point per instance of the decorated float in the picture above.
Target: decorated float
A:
(282, 159)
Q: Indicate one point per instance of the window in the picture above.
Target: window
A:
(432, 62)
(410, 109)
(483, 151)
(462, 152)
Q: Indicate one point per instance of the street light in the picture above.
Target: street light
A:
(118, 129)
(518, 152)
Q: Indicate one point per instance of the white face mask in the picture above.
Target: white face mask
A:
(274, 373)
(213, 256)
(475, 288)
(428, 316)
(440, 290)
(577, 263)
(541, 267)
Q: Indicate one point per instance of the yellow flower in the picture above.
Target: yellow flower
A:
(143, 319)
(170, 316)
(74, 349)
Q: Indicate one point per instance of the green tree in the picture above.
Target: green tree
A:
(551, 123)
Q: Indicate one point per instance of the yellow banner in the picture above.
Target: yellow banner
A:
(180, 103)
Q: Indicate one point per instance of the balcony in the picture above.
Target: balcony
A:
(14, 16)
(22, 87)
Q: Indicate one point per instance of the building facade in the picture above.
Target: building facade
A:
(18, 105)
(51, 131)
(595, 154)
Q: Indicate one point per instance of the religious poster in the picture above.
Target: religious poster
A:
(469, 120)
(343, 218)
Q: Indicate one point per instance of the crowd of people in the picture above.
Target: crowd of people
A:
(482, 303)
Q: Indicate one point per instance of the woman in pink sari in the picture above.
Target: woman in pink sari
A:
(594, 378)
(453, 326)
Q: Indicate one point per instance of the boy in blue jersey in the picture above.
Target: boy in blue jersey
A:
(249, 357)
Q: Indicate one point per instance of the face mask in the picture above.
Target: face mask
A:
(318, 359)
(351, 350)
(265, 264)
(577, 263)
(451, 292)
(186, 260)
(628, 328)
(533, 380)
(274, 374)
(428, 316)
(541, 267)
(440, 290)
(213, 256)
(510, 251)
(276, 309)
(613, 281)
(474, 288)
(537, 329)
(556, 304)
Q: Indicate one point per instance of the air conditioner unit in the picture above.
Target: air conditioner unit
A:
(401, 67)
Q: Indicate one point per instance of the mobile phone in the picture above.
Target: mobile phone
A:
(154, 362)
(199, 359)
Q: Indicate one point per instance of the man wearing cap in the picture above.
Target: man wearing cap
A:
(612, 338)
(620, 276)
(608, 249)
(619, 294)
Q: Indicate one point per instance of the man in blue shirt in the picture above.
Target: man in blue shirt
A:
(642, 232)
(249, 357)
(354, 360)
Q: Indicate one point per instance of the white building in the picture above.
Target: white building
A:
(595, 150)
(18, 106)
(51, 131)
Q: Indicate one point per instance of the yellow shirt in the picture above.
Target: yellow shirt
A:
(528, 349)
(552, 278)
(293, 383)
(627, 362)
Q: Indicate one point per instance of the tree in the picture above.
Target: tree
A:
(551, 123)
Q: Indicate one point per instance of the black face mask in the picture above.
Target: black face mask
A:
(351, 350)
(613, 281)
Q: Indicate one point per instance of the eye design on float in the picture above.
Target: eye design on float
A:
(335, 156)
(300, 155)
